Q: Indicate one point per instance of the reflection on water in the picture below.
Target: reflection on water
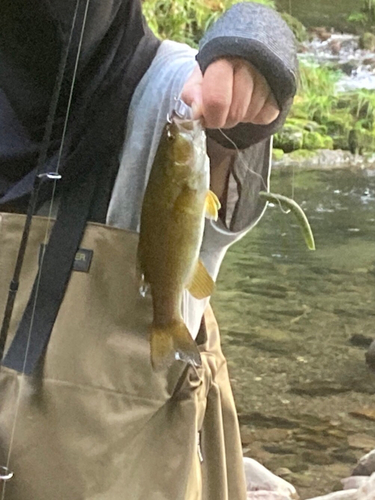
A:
(295, 327)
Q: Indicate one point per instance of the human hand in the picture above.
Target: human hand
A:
(231, 91)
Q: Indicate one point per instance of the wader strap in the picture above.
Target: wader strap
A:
(35, 328)
(52, 279)
(13, 288)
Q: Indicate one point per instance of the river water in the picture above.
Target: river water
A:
(295, 327)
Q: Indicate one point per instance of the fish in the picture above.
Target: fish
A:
(176, 201)
(289, 204)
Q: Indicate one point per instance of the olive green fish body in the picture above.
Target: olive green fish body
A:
(171, 232)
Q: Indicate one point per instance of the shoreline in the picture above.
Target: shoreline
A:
(324, 159)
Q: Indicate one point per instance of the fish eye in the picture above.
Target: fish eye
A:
(170, 135)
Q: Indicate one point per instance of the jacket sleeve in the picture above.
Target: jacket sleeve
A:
(260, 36)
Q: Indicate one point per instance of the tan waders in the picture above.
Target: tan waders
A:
(94, 421)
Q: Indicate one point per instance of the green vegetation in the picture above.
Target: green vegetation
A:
(364, 18)
(323, 119)
(367, 41)
(359, 18)
(186, 20)
(320, 118)
(296, 26)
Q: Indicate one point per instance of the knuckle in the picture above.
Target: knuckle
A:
(267, 115)
(234, 116)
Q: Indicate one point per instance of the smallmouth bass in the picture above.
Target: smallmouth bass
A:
(175, 203)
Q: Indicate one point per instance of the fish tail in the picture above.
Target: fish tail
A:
(173, 342)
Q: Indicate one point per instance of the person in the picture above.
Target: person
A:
(85, 89)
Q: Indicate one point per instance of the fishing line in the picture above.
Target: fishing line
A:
(257, 174)
(63, 135)
(248, 169)
(293, 171)
(54, 176)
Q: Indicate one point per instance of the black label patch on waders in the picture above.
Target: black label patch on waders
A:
(82, 259)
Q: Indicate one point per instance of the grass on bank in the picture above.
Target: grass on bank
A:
(365, 16)
(186, 20)
(321, 118)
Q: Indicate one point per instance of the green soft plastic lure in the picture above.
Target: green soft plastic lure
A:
(288, 203)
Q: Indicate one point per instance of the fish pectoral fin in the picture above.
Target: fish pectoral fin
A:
(201, 284)
(212, 206)
(173, 342)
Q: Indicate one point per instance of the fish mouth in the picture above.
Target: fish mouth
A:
(188, 126)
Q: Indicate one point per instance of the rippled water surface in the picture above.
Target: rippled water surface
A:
(295, 327)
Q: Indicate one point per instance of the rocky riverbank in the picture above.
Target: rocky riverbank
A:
(323, 159)
(335, 105)
(264, 485)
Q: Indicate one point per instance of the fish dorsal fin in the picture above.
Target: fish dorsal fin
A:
(212, 205)
(201, 284)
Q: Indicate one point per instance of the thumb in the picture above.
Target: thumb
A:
(192, 92)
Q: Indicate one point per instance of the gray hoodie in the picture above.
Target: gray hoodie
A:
(260, 36)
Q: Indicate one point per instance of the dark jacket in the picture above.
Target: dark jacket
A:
(33, 37)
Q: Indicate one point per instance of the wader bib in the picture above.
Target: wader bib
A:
(93, 421)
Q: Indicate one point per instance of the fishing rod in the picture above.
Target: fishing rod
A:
(40, 176)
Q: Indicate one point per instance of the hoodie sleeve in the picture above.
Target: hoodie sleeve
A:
(260, 36)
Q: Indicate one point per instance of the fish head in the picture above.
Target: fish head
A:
(186, 140)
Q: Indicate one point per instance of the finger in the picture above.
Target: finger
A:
(243, 86)
(192, 92)
(259, 97)
(217, 88)
(268, 113)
